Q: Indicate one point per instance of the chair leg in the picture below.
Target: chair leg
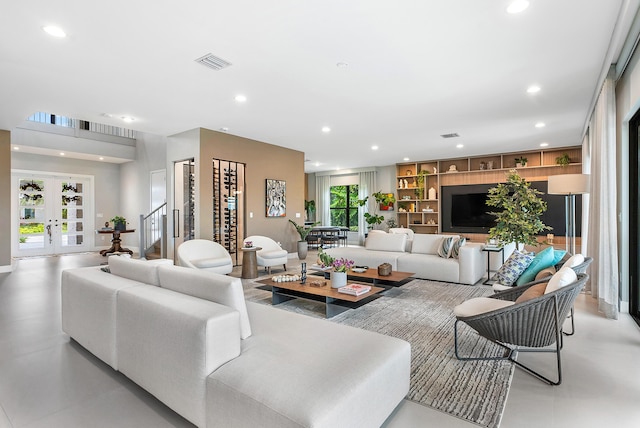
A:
(573, 327)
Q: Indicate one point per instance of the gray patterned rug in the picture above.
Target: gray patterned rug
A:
(420, 312)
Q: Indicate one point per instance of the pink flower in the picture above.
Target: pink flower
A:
(342, 264)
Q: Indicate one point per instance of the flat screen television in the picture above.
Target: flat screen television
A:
(464, 209)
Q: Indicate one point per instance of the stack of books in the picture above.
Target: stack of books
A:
(354, 289)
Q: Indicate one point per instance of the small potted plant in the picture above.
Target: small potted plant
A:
(521, 162)
(303, 231)
(563, 160)
(119, 223)
(339, 274)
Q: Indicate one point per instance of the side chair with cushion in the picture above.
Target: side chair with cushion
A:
(205, 255)
(526, 318)
(271, 253)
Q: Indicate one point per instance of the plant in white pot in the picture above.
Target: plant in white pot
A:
(303, 231)
(518, 211)
(339, 273)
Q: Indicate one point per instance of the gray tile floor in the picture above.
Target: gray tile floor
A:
(48, 381)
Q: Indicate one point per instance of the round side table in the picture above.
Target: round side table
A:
(250, 262)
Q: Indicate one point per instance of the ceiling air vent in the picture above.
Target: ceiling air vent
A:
(212, 61)
(452, 135)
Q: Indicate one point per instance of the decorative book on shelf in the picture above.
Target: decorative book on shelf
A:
(354, 289)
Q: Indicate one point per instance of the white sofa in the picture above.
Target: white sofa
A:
(421, 257)
(188, 337)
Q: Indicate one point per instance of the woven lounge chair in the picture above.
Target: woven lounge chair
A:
(525, 327)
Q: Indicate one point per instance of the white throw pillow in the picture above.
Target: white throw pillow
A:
(479, 305)
(564, 276)
(211, 286)
(574, 261)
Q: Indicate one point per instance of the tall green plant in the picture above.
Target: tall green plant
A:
(519, 208)
(303, 230)
(374, 218)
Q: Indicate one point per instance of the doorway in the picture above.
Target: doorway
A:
(52, 213)
(634, 217)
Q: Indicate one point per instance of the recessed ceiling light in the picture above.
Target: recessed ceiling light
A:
(459, 146)
(54, 31)
(16, 148)
(544, 144)
(326, 129)
(61, 154)
(374, 147)
(241, 98)
(101, 158)
(540, 125)
(128, 119)
(405, 159)
(317, 164)
(107, 114)
(224, 129)
(517, 6)
(342, 64)
(533, 89)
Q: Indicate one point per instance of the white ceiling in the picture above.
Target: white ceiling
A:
(416, 70)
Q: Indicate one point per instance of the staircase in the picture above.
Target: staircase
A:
(153, 233)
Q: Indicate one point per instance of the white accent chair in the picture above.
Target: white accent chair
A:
(271, 253)
(205, 255)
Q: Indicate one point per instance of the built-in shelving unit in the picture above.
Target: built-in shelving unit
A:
(419, 204)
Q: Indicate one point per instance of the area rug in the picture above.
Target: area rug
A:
(421, 312)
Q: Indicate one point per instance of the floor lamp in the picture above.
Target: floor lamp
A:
(569, 185)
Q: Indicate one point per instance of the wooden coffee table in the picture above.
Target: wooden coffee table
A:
(335, 301)
(395, 278)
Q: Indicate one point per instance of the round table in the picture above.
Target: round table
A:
(250, 262)
(115, 241)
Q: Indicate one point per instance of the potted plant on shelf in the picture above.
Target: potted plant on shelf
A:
(119, 223)
(520, 208)
(563, 160)
(521, 162)
(303, 231)
(420, 180)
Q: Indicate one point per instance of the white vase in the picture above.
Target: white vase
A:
(338, 279)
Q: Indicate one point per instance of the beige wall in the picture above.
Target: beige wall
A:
(5, 195)
(262, 161)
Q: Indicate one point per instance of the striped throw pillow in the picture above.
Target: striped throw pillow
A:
(455, 249)
(446, 245)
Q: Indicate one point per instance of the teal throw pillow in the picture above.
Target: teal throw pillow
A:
(511, 270)
(455, 250)
(542, 260)
(558, 255)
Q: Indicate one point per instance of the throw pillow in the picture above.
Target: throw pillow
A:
(479, 305)
(544, 273)
(564, 276)
(558, 255)
(455, 249)
(532, 292)
(574, 261)
(542, 260)
(446, 245)
(511, 270)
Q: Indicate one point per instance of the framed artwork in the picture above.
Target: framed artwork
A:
(276, 198)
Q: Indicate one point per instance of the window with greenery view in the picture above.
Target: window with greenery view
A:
(344, 206)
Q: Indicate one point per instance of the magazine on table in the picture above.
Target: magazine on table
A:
(354, 289)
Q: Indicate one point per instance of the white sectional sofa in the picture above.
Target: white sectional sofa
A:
(419, 256)
(189, 338)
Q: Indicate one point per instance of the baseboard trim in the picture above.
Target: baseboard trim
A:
(6, 268)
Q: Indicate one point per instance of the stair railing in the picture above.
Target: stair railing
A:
(153, 230)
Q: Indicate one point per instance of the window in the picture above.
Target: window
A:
(344, 206)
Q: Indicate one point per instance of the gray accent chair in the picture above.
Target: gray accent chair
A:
(529, 326)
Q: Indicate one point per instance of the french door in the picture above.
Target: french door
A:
(52, 213)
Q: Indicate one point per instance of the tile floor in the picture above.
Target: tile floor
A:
(48, 381)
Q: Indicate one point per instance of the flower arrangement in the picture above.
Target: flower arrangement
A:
(342, 264)
(248, 244)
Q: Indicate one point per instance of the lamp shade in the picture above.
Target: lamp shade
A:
(568, 184)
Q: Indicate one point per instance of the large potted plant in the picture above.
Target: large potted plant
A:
(382, 199)
(518, 210)
(303, 231)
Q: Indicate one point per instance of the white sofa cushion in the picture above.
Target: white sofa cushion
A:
(564, 276)
(430, 266)
(272, 254)
(168, 343)
(288, 377)
(221, 289)
(479, 305)
(424, 243)
(386, 242)
(136, 270)
(210, 262)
